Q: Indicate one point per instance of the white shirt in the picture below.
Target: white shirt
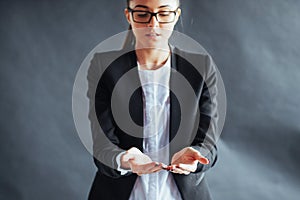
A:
(159, 185)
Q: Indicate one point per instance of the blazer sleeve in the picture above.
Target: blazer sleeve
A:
(105, 140)
(206, 137)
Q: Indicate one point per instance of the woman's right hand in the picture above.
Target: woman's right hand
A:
(139, 162)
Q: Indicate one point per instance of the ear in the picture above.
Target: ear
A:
(127, 15)
(178, 13)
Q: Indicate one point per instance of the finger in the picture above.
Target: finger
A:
(128, 156)
(153, 168)
(167, 167)
(194, 152)
(183, 168)
(198, 156)
(177, 170)
(202, 159)
(145, 168)
(157, 168)
(135, 167)
(188, 167)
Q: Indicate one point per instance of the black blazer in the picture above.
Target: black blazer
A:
(196, 120)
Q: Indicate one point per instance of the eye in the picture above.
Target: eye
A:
(142, 14)
(165, 13)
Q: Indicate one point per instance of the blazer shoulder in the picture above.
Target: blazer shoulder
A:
(108, 57)
(101, 61)
(201, 61)
(98, 64)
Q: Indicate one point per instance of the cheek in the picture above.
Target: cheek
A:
(167, 30)
(138, 32)
(137, 26)
(168, 26)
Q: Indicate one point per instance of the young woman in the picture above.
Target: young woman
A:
(162, 159)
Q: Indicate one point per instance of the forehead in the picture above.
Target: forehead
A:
(154, 4)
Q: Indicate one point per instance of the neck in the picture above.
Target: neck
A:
(152, 58)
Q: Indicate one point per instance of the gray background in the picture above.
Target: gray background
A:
(255, 44)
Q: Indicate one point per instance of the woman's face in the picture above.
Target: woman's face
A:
(153, 33)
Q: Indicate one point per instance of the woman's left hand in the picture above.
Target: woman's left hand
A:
(186, 160)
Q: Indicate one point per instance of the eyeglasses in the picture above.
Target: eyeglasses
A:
(144, 17)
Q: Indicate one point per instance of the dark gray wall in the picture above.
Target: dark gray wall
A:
(255, 44)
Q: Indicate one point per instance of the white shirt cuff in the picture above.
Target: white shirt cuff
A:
(118, 160)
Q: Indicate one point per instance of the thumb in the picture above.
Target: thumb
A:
(201, 159)
(128, 156)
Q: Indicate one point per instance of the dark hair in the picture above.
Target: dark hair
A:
(130, 0)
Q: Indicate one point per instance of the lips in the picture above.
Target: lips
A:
(152, 34)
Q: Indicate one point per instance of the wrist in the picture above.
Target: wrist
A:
(120, 167)
(124, 163)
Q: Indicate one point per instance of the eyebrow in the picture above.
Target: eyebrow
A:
(143, 6)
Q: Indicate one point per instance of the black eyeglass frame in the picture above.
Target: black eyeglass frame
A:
(152, 14)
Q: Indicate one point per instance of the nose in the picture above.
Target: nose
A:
(153, 22)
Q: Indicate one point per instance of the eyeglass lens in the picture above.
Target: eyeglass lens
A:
(145, 17)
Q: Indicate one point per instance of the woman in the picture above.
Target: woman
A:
(161, 160)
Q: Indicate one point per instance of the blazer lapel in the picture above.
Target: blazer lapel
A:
(136, 101)
(175, 112)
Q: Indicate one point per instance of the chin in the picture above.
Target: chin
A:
(153, 44)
